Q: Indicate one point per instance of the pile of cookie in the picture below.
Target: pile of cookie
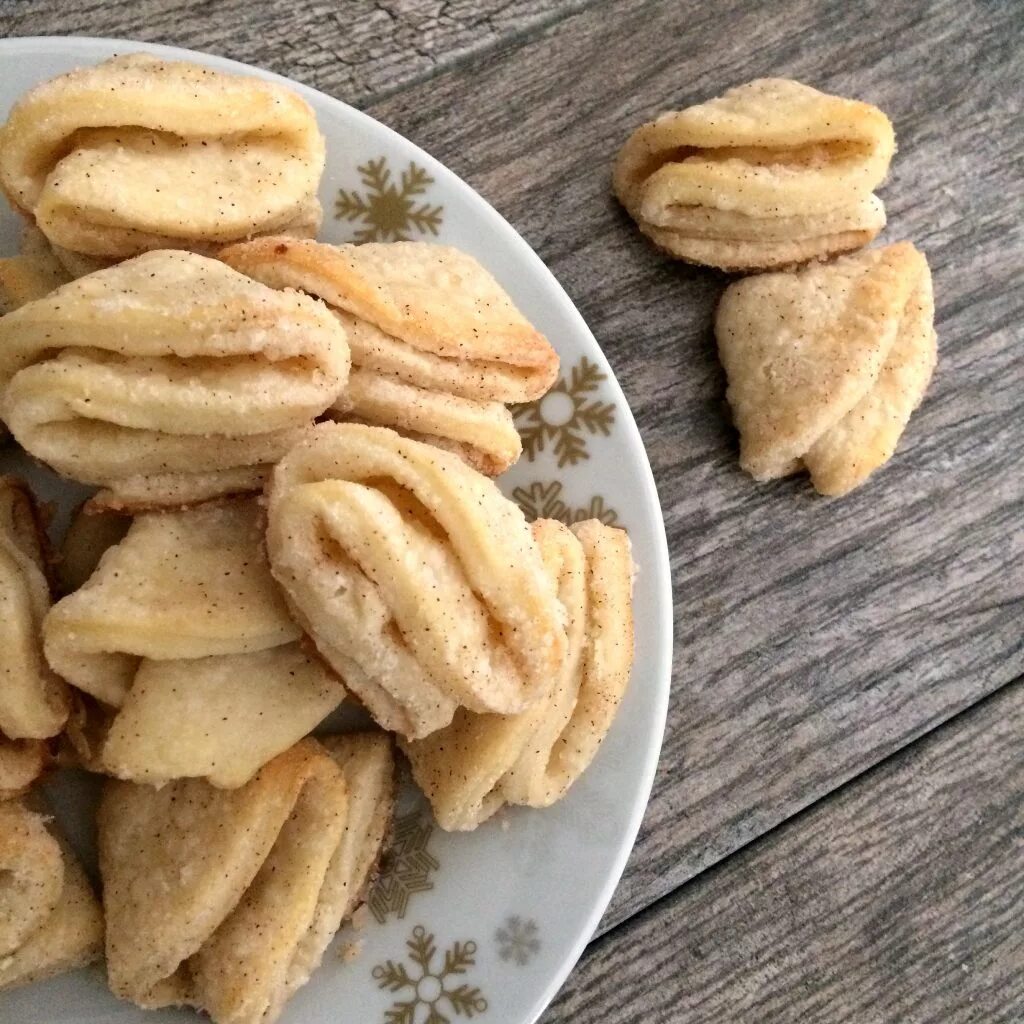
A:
(292, 446)
(825, 361)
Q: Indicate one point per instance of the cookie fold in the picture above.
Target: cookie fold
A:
(772, 173)
(827, 364)
(418, 581)
(141, 153)
(225, 900)
(480, 762)
(438, 347)
(184, 642)
(33, 700)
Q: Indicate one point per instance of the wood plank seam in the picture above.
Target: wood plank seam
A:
(606, 934)
(896, 903)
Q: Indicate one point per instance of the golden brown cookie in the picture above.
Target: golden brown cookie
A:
(141, 153)
(826, 364)
(183, 637)
(167, 379)
(479, 762)
(438, 347)
(773, 173)
(225, 900)
(418, 581)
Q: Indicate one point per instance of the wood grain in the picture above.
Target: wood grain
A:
(352, 50)
(895, 901)
(813, 637)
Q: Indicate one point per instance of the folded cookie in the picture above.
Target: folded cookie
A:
(33, 701)
(770, 174)
(184, 640)
(141, 153)
(167, 379)
(418, 581)
(50, 921)
(225, 900)
(479, 762)
(438, 347)
(826, 364)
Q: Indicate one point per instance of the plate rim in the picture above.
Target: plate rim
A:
(658, 688)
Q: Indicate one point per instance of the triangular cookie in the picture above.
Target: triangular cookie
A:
(438, 346)
(826, 365)
(183, 635)
(226, 899)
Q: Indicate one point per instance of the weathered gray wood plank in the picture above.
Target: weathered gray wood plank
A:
(895, 901)
(813, 638)
(353, 50)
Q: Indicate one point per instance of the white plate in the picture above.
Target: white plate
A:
(522, 894)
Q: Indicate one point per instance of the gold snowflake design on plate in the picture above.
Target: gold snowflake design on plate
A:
(543, 500)
(567, 416)
(405, 867)
(518, 940)
(389, 211)
(428, 990)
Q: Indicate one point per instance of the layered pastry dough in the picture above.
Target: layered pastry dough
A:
(33, 701)
(50, 921)
(167, 379)
(827, 364)
(140, 153)
(226, 900)
(414, 576)
(771, 174)
(183, 638)
(438, 347)
(479, 762)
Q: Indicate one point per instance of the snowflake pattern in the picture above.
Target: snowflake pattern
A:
(405, 867)
(388, 212)
(517, 940)
(428, 992)
(566, 416)
(541, 500)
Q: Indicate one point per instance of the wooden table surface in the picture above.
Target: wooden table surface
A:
(836, 832)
